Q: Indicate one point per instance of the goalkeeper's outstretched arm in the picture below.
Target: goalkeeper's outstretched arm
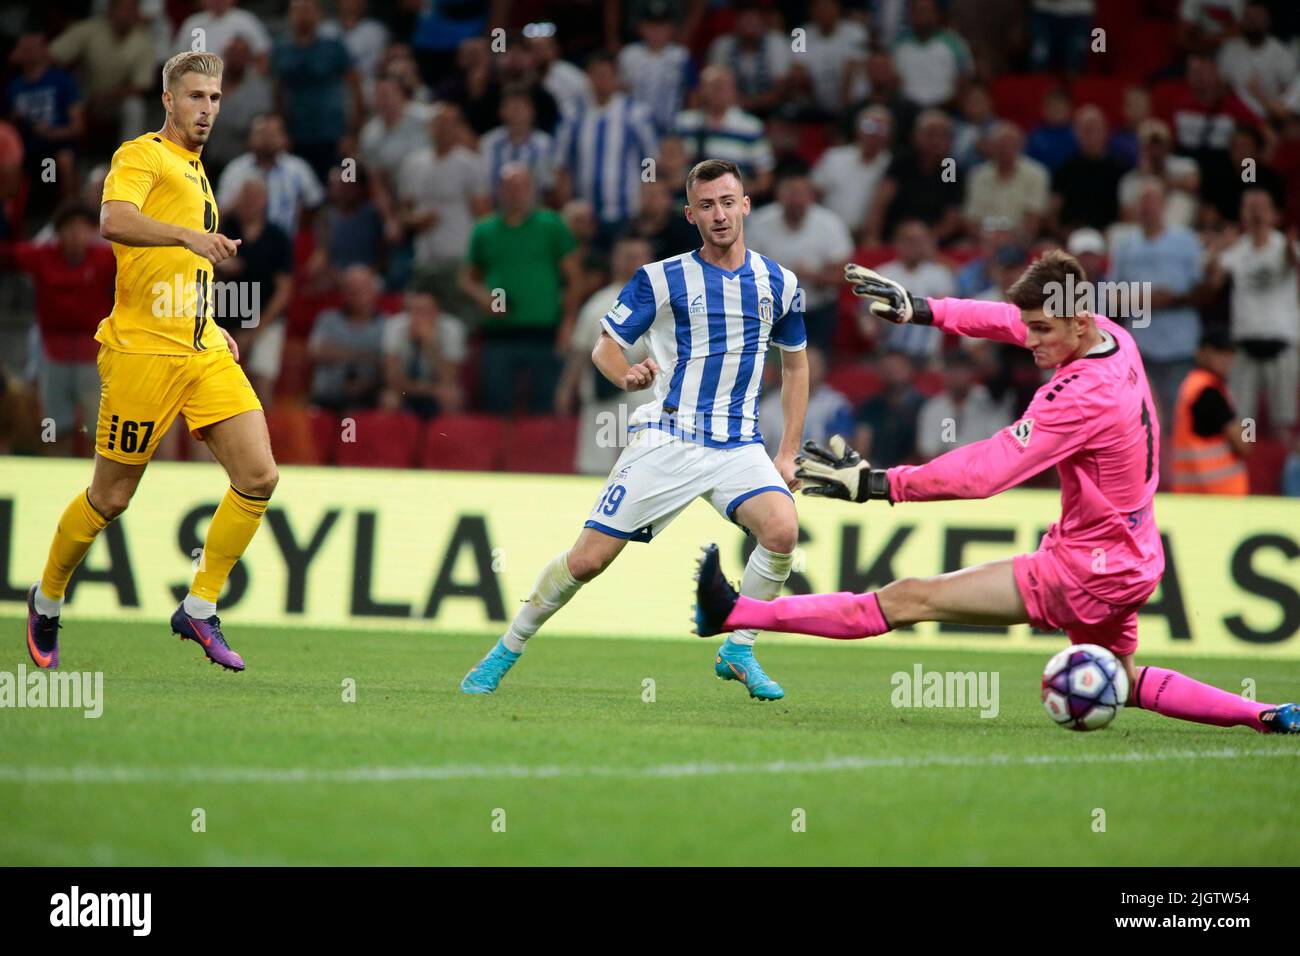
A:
(1048, 433)
(890, 301)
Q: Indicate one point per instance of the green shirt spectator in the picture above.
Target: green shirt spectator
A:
(523, 261)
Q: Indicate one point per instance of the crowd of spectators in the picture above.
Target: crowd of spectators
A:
(439, 200)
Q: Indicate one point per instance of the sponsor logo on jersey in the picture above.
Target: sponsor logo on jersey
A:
(697, 305)
(619, 313)
(1022, 430)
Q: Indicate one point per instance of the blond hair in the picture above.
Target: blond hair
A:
(191, 61)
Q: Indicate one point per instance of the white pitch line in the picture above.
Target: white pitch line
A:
(90, 774)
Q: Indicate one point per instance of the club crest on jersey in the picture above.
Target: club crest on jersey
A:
(765, 309)
(1021, 431)
(697, 305)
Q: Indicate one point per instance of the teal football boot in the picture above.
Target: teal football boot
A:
(737, 662)
(484, 676)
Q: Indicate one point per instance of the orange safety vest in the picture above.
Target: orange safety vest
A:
(1207, 466)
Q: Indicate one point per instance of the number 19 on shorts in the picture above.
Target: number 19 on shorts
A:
(610, 500)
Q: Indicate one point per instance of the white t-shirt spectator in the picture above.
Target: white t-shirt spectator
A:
(929, 279)
(930, 69)
(1180, 206)
(740, 137)
(657, 80)
(384, 148)
(1272, 61)
(452, 338)
(847, 183)
(977, 418)
(219, 31)
(827, 59)
(568, 86)
(821, 239)
(1265, 300)
(445, 184)
(291, 187)
(366, 42)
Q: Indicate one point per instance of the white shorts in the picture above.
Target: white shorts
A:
(657, 476)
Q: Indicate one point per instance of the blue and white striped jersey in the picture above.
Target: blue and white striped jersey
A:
(537, 152)
(709, 331)
(603, 148)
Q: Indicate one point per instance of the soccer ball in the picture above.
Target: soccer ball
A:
(1084, 686)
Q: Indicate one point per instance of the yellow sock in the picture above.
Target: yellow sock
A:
(77, 529)
(232, 527)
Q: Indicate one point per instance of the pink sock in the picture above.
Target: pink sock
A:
(1176, 695)
(847, 616)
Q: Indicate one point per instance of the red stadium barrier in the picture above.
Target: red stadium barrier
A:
(1265, 467)
(292, 437)
(464, 442)
(543, 443)
(380, 439)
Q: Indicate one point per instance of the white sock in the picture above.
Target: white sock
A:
(197, 607)
(765, 574)
(555, 585)
(48, 606)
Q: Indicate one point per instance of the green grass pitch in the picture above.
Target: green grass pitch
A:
(568, 764)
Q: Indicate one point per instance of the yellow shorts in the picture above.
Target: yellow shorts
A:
(141, 395)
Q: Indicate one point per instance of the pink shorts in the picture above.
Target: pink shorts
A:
(1055, 602)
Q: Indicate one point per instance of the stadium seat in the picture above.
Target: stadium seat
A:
(464, 442)
(1265, 466)
(325, 433)
(543, 443)
(856, 381)
(380, 439)
(305, 306)
(1019, 97)
(1106, 92)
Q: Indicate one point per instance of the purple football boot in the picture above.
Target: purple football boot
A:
(207, 632)
(42, 635)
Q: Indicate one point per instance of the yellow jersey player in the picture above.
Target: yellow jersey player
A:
(161, 354)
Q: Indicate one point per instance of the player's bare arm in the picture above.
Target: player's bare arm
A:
(794, 408)
(123, 223)
(608, 357)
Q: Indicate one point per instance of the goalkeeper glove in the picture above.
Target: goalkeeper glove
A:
(888, 299)
(840, 472)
